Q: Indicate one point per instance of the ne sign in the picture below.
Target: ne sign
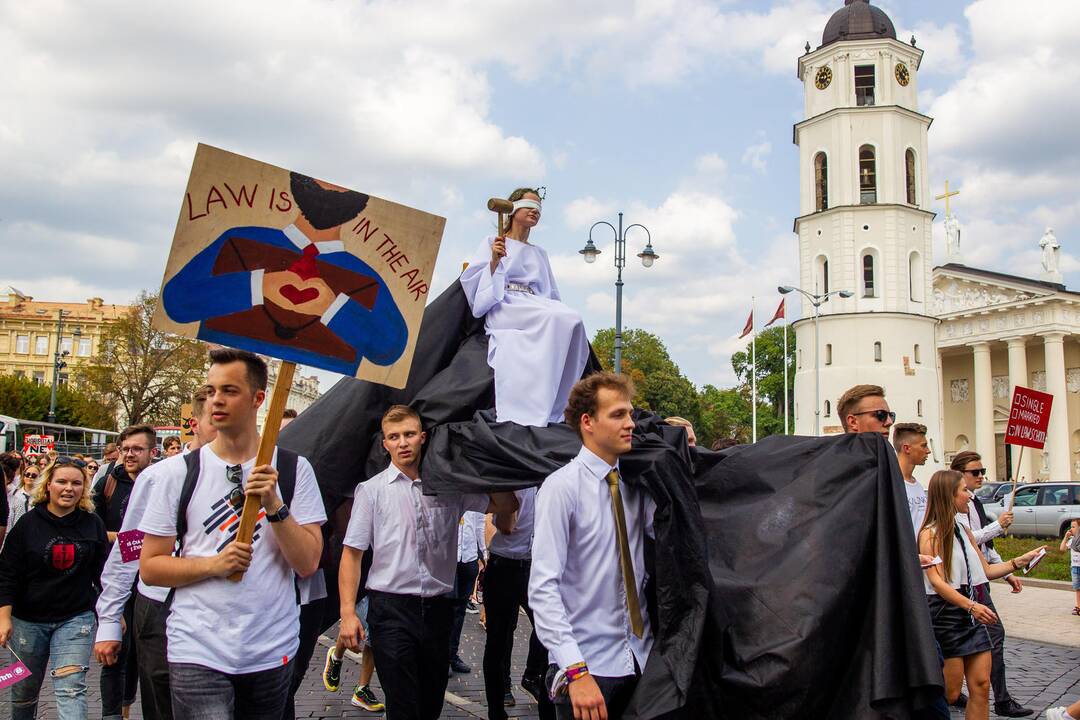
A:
(1029, 417)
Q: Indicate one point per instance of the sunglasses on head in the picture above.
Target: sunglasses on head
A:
(65, 460)
(880, 415)
(977, 472)
(234, 474)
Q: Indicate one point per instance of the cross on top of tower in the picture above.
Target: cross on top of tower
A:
(945, 196)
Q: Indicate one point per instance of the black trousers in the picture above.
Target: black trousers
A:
(152, 648)
(997, 651)
(506, 589)
(311, 625)
(464, 581)
(617, 692)
(120, 681)
(409, 637)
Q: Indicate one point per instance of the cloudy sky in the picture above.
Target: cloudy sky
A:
(676, 112)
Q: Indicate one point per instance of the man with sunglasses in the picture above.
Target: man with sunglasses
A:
(970, 464)
(231, 644)
(148, 629)
(112, 493)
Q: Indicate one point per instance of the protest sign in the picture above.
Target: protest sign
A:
(186, 412)
(16, 672)
(38, 444)
(1029, 418)
(130, 544)
(282, 264)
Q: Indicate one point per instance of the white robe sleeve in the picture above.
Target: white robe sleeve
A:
(484, 289)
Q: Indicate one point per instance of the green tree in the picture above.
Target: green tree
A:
(25, 399)
(659, 384)
(143, 372)
(770, 371)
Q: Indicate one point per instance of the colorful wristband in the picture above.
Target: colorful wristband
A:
(576, 671)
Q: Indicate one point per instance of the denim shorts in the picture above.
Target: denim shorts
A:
(1076, 577)
(362, 612)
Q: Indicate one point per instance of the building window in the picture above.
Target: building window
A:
(799, 354)
(20, 374)
(909, 175)
(868, 275)
(821, 282)
(821, 182)
(39, 377)
(864, 85)
(65, 345)
(22, 344)
(63, 378)
(918, 359)
(828, 409)
(867, 175)
(918, 408)
(877, 351)
(41, 344)
(84, 347)
(828, 353)
(915, 277)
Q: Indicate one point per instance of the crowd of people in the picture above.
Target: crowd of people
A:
(137, 563)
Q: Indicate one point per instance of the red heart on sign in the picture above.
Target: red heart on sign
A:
(297, 296)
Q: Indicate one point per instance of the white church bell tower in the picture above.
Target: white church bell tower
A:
(864, 225)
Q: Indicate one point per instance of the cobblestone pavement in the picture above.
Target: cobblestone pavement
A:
(1040, 675)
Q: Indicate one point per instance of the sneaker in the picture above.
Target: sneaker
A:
(331, 674)
(459, 666)
(1058, 713)
(364, 698)
(533, 685)
(1076, 611)
(1012, 709)
(470, 607)
(508, 699)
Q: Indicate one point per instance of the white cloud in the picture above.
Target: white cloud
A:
(756, 156)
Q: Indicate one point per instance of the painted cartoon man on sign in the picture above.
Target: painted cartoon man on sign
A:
(293, 293)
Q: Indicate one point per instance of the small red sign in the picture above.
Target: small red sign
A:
(13, 673)
(130, 544)
(38, 444)
(1029, 417)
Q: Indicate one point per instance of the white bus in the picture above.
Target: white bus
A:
(69, 438)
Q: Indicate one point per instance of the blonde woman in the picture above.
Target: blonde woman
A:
(536, 345)
(959, 618)
(48, 573)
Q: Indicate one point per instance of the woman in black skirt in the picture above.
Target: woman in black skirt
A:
(959, 618)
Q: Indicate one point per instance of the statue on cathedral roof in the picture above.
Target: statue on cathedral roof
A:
(952, 238)
(1051, 250)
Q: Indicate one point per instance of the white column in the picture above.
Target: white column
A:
(1057, 438)
(984, 408)
(1018, 375)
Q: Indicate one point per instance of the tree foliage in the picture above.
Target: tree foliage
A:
(770, 371)
(27, 400)
(143, 373)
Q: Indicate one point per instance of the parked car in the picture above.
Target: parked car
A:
(991, 492)
(1042, 509)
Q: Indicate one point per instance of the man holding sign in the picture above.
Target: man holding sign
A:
(230, 643)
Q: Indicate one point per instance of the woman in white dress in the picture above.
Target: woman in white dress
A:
(537, 345)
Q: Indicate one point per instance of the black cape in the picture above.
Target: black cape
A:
(785, 581)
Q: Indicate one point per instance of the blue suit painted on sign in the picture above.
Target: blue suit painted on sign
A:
(215, 288)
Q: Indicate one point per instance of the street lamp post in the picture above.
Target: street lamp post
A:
(816, 301)
(58, 360)
(648, 257)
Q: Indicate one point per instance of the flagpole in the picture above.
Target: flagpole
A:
(785, 377)
(753, 370)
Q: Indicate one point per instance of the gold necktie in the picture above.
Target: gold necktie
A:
(633, 607)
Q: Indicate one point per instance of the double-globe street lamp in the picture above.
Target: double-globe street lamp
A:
(816, 301)
(58, 359)
(648, 257)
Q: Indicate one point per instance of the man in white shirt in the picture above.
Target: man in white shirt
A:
(413, 539)
(506, 593)
(120, 573)
(586, 588)
(230, 643)
(912, 450)
(970, 464)
(470, 558)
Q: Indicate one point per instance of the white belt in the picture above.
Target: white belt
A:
(519, 287)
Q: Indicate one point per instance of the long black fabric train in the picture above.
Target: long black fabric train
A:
(784, 574)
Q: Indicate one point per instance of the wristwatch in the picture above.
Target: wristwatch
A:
(281, 514)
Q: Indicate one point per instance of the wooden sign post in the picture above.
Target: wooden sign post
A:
(296, 268)
(278, 399)
(1029, 418)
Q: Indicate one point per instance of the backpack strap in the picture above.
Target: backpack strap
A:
(188, 489)
(286, 479)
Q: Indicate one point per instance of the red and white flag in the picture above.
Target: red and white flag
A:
(778, 314)
(749, 326)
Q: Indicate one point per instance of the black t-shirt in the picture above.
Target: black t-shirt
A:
(111, 509)
(50, 565)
